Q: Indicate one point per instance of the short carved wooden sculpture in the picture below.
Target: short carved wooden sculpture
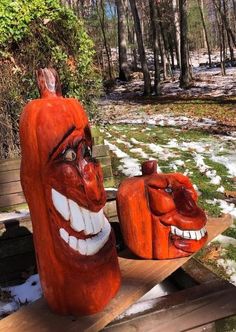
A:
(63, 186)
(159, 216)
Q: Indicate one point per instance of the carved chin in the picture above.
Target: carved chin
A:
(84, 231)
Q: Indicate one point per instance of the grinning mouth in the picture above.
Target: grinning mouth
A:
(188, 234)
(81, 219)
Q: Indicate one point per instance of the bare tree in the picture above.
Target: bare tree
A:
(231, 50)
(141, 50)
(177, 31)
(200, 5)
(153, 16)
(124, 73)
(217, 4)
(101, 15)
(185, 75)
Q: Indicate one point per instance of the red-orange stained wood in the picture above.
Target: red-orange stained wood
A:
(50, 128)
(159, 215)
(133, 206)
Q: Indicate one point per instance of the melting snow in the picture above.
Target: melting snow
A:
(27, 292)
(131, 166)
(225, 206)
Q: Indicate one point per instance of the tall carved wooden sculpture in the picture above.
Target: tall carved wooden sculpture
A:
(159, 215)
(63, 186)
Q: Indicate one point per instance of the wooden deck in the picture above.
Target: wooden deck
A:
(138, 277)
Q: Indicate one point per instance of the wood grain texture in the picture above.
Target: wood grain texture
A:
(10, 176)
(199, 305)
(10, 188)
(138, 277)
(9, 164)
(12, 199)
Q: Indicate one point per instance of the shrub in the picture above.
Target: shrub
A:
(42, 33)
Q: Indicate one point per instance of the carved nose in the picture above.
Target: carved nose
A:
(93, 183)
(185, 204)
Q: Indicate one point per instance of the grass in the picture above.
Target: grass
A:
(231, 232)
(161, 136)
(230, 253)
(204, 256)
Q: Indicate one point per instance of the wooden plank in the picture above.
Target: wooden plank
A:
(184, 310)
(110, 209)
(10, 188)
(107, 171)
(10, 176)
(12, 199)
(9, 164)
(104, 161)
(100, 151)
(198, 271)
(138, 277)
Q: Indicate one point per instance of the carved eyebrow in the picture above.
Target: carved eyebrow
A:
(67, 133)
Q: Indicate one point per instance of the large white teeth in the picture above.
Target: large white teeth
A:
(76, 219)
(80, 219)
(92, 245)
(187, 234)
(73, 242)
(61, 204)
(64, 235)
(88, 221)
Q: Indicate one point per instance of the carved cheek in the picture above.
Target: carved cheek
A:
(65, 178)
(160, 202)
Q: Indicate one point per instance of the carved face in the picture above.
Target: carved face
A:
(159, 215)
(63, 185)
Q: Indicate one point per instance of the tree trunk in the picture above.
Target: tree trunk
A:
(231, 50)
(177, 32)
(221, 35)
(124, 73)
(185, 75)
(153, 16)
(141, 50)
(218, 5)
(200, 5)
(101, 16)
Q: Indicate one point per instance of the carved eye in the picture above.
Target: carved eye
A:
(69, 155)
(169, 190)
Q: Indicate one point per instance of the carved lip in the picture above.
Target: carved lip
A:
(188, 245)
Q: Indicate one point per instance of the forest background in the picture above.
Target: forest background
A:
(92, 43)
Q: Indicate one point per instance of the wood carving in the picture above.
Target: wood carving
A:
(63, 186)
(159, 216)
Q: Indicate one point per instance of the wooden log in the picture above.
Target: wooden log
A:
(138, 277)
